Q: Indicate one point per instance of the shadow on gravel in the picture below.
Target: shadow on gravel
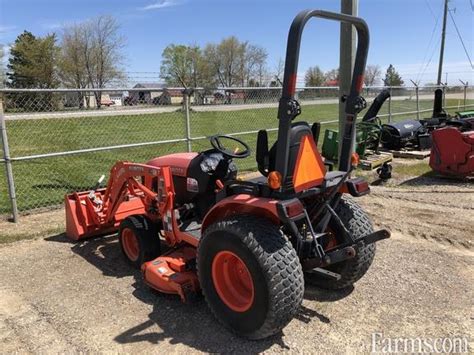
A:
(314, 293)
(102, 252)
(190, 324)
(431, 178)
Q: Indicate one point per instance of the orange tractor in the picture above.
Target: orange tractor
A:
(246, 245)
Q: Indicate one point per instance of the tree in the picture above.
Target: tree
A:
(232, 62)
(32, 62)
(279, 71)
(392, 78)
(72, 64)
(226, 61)
(332, 74)
(314, 77)
(92, 55)
(372, 75)
(254, 64)
(2, 68)
(184, 66)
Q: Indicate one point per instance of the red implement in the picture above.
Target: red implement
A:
(452, 152)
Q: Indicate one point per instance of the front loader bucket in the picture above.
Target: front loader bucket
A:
(84, 219)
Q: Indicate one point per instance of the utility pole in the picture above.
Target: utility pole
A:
(443, 37)
(346, 58)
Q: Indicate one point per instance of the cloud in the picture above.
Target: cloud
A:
(5, 49)
(159, 5)
(51, 25)
(6, 29)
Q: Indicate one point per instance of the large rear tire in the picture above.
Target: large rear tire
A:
(250, 275)
(356, 220)
(139, 240)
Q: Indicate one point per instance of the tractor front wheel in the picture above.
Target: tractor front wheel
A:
(250, 275)
(139, 240)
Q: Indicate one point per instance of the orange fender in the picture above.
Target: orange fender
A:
(242, 204)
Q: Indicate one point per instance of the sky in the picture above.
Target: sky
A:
(405, 33)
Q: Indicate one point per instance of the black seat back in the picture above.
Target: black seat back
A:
(266, 159)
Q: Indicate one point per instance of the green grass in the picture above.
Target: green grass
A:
(417, 169)
(30, 234)
(43, 182)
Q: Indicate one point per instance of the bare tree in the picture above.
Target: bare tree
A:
(71, 63)
(373, 74)
(314, 76)
(92, 54)
(105, 52)
(332, 74)
(225, 60)
(233, 62)
(256, 59)
(280, 69)
(184, 66)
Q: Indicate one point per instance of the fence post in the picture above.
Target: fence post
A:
(417, 96)
(8, 163)
(417, 92)
(465, 92)
(465, 96)
(186, 94)
(390, 105)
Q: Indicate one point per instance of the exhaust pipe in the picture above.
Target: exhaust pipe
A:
(438, 111)
(374, 109)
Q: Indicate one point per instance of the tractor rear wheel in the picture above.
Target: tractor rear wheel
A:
(356, 220)
(139, 241)
(250, 275)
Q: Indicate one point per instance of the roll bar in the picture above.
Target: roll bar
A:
(289, 108)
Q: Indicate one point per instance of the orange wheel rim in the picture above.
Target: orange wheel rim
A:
(130, 244)
(232, 281)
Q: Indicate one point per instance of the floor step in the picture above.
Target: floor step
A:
(373, 160)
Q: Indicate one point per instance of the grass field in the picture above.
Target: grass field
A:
(43, 182)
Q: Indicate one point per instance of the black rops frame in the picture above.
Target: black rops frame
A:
(289, 108)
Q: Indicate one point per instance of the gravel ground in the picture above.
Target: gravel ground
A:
(57, 296)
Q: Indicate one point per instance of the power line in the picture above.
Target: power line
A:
(429, 61)
(460, 38)
(430, 8)
(430, 41)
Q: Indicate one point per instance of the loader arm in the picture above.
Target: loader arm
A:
(123, 183)
(132, 188)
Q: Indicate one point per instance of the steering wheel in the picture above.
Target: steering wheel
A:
(236, 153)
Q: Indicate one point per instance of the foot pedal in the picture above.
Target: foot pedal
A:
(326, 274)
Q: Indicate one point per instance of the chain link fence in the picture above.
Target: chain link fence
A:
(58, 141)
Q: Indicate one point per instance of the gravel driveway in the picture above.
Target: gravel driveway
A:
(57, 296)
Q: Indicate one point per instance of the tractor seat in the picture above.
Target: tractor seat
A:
(266, 159)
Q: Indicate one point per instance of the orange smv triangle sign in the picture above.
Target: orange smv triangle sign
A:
(309, 167)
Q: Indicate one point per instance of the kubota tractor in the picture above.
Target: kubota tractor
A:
(246, 245)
